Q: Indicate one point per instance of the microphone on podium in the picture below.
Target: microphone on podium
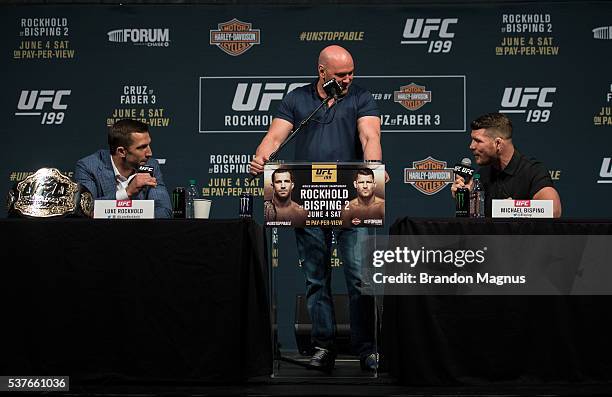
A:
(332, 88)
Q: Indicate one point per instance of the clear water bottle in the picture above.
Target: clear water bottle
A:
(477, 199)
(190, 195)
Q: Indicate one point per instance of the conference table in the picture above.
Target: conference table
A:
(453, 339)
(135, 300)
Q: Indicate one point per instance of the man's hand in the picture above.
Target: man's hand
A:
(138, 182)
(460, 182)
(257, 165)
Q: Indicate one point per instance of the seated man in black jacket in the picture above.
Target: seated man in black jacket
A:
(505, 172)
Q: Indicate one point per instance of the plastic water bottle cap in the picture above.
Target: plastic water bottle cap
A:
(192, 181)
(476, 176)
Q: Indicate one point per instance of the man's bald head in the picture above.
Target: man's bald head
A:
(334, 54)
(337, 63)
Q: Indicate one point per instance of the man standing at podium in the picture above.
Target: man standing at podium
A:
(345, 129)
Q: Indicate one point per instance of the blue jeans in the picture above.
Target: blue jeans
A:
(314, 250)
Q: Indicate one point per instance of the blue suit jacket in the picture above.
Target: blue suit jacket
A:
(95, 172)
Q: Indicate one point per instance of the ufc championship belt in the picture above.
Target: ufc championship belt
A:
(48, 193)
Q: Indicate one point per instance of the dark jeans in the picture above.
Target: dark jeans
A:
(314, 250)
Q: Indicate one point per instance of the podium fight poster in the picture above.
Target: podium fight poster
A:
(324, 195)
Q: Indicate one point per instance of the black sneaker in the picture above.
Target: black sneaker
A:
(322, 360)
(369, 362)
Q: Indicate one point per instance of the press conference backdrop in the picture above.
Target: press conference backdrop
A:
(209, 78)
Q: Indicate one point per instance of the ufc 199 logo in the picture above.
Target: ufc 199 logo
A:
(535, 102)
(420, 30)
(258, 99)
(324, 173)
(46, 103)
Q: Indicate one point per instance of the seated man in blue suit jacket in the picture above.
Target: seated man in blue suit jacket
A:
(112, 175)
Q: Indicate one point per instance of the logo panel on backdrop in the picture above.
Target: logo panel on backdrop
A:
(234, 37)
(429, 176)
(419, 103)
(243, 104)
(535, 102)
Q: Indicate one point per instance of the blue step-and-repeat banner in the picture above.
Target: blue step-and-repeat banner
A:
(209, 78)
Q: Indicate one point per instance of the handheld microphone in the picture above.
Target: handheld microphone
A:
(462, 195)
(332, 88)
(145, 169)
(464, 169)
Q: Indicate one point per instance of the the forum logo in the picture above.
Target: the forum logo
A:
(157, 37)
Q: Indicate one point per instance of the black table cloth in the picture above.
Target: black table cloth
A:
(147, 300)
(445, 340)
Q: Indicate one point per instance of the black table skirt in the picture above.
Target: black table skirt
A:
(449, 340)
(149, 300)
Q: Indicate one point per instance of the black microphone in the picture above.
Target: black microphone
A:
(464, 169)
(462, 195)
(332, 88)
(145, 169)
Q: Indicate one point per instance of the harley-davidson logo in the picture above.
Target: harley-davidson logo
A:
(412, 96)
(234, 37)
(429, 175)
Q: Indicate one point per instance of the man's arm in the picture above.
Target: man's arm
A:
(550, 193)
(369, 135)
(87, 178)
(278, 132)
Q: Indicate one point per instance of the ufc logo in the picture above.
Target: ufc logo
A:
(520, 97)
(324, 173)
(30, 100)
(124, 203)
(522, 203)
(606, 168)
(260, 99)
(422, 28)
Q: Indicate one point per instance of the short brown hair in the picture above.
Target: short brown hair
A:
(282, 171)
(120, 133)
(365, 172)
(496, 125)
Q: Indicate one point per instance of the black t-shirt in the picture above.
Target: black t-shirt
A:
(521, 179)
(332, 133)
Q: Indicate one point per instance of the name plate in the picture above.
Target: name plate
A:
(124, 209)
(522, 209)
